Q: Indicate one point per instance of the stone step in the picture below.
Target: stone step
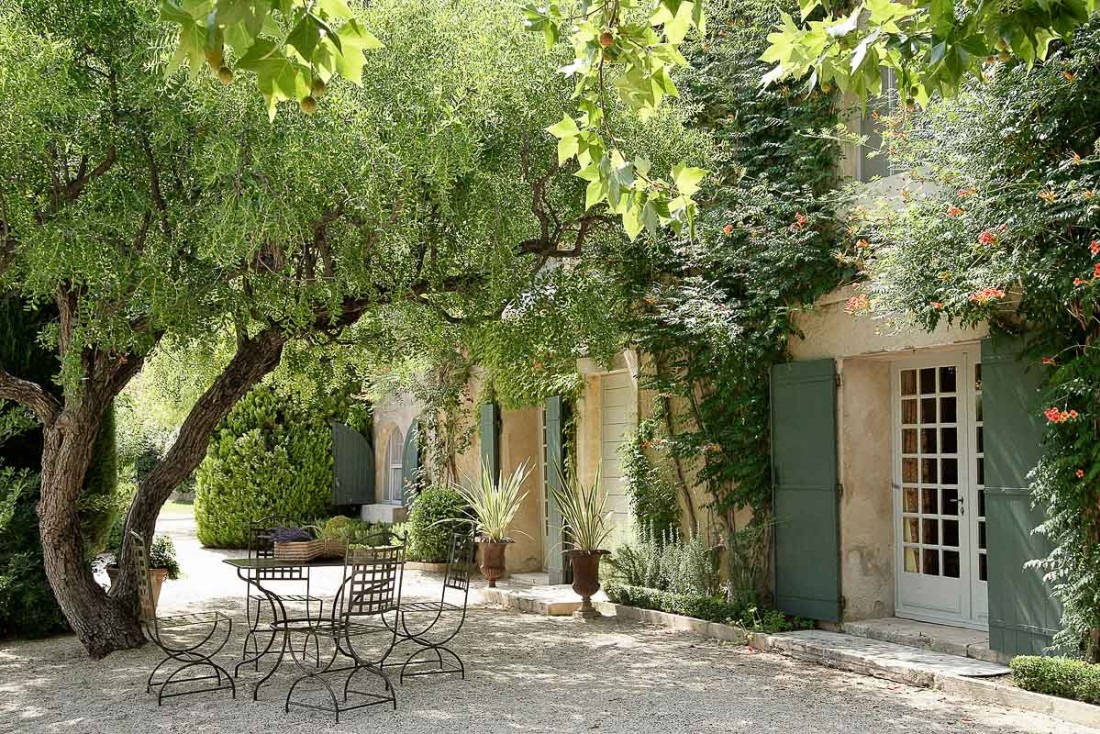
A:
(900, 663)
(926, 636)
(528, 580)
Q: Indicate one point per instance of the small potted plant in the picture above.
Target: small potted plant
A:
(587, 525)
(162, 565)
(494, 506)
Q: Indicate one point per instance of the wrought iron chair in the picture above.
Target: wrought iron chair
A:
(370, 590)
(427, 628)
(175, 636)
(261, 545)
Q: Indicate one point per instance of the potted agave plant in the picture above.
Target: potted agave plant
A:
(587, 525)
(494, 505)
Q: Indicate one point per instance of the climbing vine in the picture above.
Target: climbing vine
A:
(714, 314)
(1009, 233)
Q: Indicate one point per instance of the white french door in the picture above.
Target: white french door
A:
(939, 508)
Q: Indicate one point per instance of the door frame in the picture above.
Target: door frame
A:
(966, 356)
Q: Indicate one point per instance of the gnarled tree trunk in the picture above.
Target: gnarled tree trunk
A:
(101, 623)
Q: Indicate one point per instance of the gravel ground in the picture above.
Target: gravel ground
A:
(525, 673)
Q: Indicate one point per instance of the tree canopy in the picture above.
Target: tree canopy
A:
(146, 206)
(932, 46)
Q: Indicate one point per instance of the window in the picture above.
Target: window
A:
(395, 470)
(873, 160)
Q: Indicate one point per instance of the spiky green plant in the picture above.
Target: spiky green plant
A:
(495, 504)
(584, 512)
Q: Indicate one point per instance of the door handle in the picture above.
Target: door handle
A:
(960, 502)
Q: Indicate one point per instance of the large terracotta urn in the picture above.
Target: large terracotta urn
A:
(491, 557)
(586, 579)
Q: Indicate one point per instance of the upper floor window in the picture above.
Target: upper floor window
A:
(873, 160)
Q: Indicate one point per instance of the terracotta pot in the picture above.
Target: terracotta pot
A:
(586, 579)
(157, 577)
(491, 557)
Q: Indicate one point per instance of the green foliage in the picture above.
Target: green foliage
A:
(626, 50)
(668, 563)
(162, 554)
(715, 313)
(27, 604)
(708, 608)
(495, 502)
(932, 45)
(294, 49)
(652, 492)
(1007, 232)
(586, 521)
(271, 456)
(430, 523)
(1057, 677)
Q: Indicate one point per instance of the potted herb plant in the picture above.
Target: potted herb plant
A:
(587, 525)
(162, 565)
(494, 506)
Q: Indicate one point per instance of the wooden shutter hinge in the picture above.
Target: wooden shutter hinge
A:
(839, 489)
(837, 378)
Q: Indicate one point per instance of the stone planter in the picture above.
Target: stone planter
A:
(156, 579)
(586, 579)
(491, 559)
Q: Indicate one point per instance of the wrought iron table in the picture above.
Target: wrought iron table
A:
(248, 570)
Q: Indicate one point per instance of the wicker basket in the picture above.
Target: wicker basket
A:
(299, 551)
(335, 548)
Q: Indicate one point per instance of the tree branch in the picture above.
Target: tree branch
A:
(31, 395)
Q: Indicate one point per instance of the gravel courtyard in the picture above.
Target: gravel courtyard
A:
(526, 673)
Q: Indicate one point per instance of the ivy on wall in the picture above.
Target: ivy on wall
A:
(715, 313)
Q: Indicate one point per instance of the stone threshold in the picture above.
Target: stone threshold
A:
(959, 675)
(927, 636)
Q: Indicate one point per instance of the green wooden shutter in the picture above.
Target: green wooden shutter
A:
(410, 463)
(489, 430)
(804, 473)
(554, 465)
(1022, 614)
(352, 467)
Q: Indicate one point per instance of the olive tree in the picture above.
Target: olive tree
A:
(146, 206)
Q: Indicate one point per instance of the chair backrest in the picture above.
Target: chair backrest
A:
(372, 581)
(261, 545)
(461, 561)
(140, 553)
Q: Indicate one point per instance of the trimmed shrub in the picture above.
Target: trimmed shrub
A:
(707, 608)
(1063, 677)
(272, 455)
(429, 535)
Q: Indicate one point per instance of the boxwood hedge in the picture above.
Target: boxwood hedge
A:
(1057, 677)
(272, 455)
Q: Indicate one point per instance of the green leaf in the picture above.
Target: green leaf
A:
(567, 127)
(595, 193)
(687, 178)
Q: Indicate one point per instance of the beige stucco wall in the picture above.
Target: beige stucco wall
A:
(828, 331)
(866, 510)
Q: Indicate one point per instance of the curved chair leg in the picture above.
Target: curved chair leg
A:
(325, 683)
(377, 671)
(438, 650)
(218, 672)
